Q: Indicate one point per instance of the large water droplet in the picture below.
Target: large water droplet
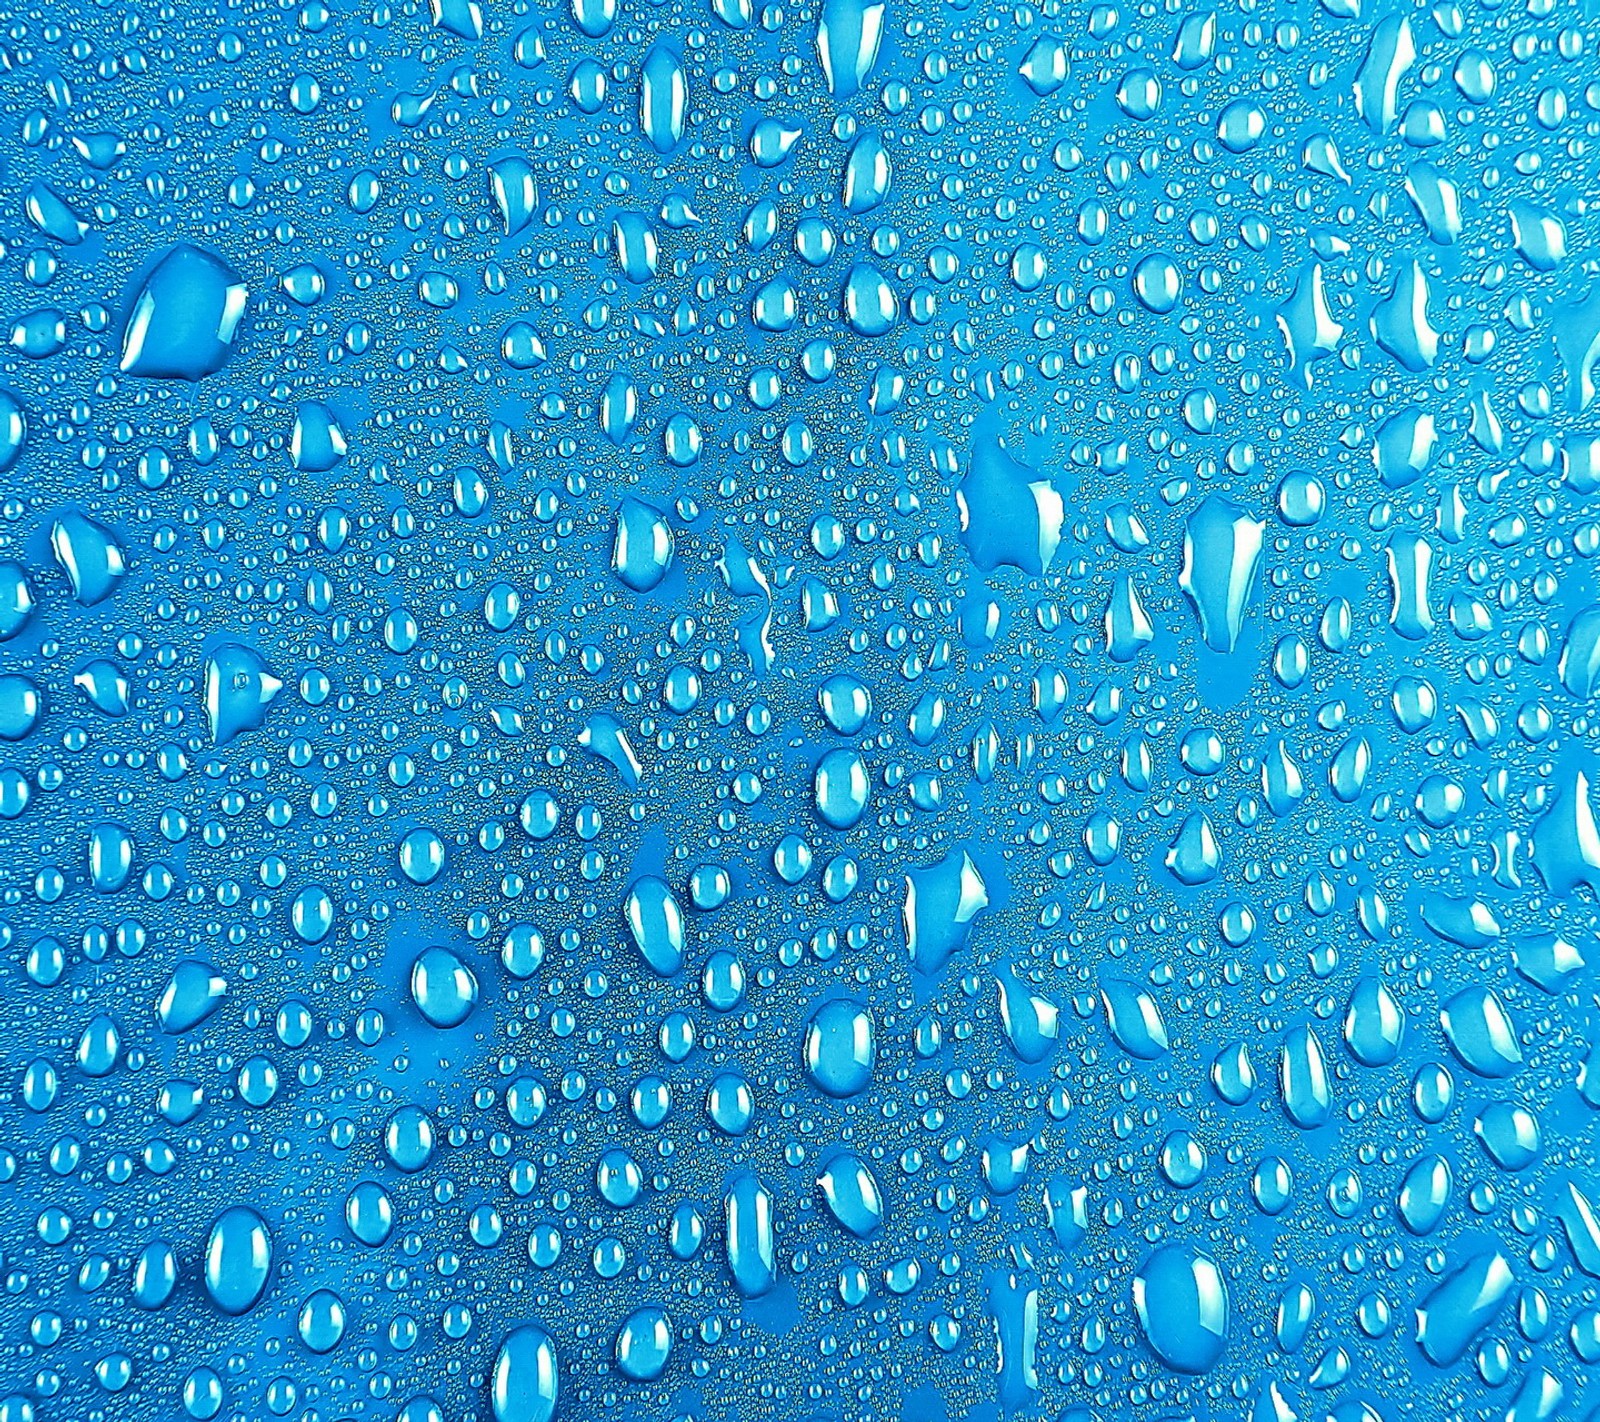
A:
(238, 1260)
(526, 1384)
(840, 1047)
(656, 923)
(185, 316)
(848, 35)
(1181, 1299)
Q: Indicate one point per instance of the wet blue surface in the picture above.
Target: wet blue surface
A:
(853, 711)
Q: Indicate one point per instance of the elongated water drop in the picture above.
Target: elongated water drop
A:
(644, 1344)
(1480, 1032)
(656, 924)
(1031, 1022)
(641, 546)
(1134, 1019)
(851, 1193)
(238, 1260)
(526, 1383)
(1303, 1082)
(1425, 1194)
(663, 98)
(1221, 551)
(1462, 1306)
(751, 1236)
(848, 35)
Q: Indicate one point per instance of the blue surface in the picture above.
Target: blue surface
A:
(855, 711)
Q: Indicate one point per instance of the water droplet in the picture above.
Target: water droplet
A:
(840, 1048)
(1181, 1299)
(526, 1384)
(183, 320)
(238, 1260)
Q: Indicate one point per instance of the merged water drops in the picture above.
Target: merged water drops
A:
(873, 710)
